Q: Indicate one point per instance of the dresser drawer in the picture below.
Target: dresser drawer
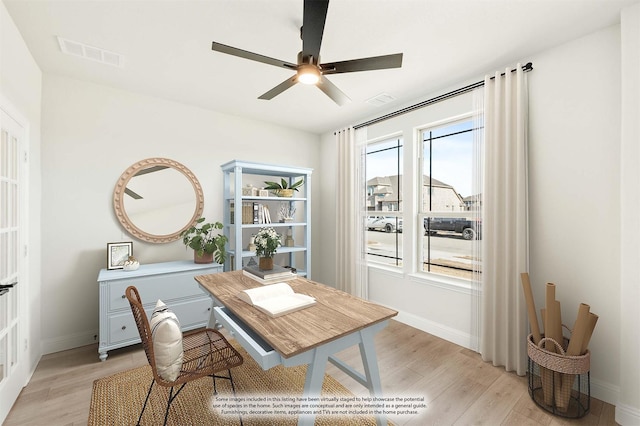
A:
(259, 350)
(123, 327)
(151, 288)
(193, 314)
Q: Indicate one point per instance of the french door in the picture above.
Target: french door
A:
(13, 341)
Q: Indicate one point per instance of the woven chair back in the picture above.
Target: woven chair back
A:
(143, 325)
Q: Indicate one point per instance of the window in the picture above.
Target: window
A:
(450, 203)
(384, 202)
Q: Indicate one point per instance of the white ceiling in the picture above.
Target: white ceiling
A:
(167, 47)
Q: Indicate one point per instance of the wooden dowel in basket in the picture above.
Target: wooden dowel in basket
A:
(574, 349)
(553, 324)
(556, 334)
(551, 381)
(546, 375)
(593, 319)
(531, 307)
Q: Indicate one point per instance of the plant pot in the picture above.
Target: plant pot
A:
(266, 263)
(284, 193)
(205, 258)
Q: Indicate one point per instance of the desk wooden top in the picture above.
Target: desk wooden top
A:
(334, 315)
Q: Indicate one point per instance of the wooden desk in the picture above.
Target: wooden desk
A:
(311, 336)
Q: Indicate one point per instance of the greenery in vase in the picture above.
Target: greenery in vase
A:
(201, 237)
(267, 241)
(275, 186)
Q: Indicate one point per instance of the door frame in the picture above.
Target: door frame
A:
(24, 370)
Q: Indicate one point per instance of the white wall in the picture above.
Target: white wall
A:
(574, 160)
(91, 134)
(20, 85)
(628, 406)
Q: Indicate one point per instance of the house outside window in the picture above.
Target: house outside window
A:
(384, 202)
(450, 205)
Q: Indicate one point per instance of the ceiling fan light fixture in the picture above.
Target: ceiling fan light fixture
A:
(308, 74)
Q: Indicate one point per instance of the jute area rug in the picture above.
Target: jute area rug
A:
(118, 399)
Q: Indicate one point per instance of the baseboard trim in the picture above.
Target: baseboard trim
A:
(71, 341)
(450, 334)
(627, 415)
(605, 391)
(601, 390)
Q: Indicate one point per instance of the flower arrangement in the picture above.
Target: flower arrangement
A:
(267, 241)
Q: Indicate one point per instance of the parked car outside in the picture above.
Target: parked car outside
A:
(384, 223)
(469, 229)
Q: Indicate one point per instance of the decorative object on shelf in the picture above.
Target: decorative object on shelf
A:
(267, 241)
(249, 191)
(262, 192)
(288, 242)
(252, 243)
(283, 189)
(205, 244)
(286, 212)
(118, 253)
(131, 264)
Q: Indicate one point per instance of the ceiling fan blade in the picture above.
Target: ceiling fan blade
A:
(132, 194)
(151, 170)
(279, 88)
(219, 47)
(364, 64)
(332, 91)
(315, 15)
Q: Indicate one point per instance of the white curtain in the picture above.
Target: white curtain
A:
(350, 213)
(503, 326)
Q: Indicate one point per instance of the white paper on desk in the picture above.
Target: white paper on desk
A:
(276, 299)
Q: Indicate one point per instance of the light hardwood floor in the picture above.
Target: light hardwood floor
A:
(459, 388)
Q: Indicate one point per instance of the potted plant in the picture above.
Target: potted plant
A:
(283, 189)
(267, 241)
(206, 244)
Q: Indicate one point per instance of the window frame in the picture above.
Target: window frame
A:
(398, 214)
(421, 215)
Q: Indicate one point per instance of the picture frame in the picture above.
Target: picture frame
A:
(118, 253)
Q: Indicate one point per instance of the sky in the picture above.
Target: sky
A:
(452, 158)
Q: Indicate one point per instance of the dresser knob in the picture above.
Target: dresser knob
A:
(124, 297)
(124, 327)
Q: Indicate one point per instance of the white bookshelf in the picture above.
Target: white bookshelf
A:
(236, 176)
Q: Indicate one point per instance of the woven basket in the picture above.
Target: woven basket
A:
(575, 401)
(559, 362)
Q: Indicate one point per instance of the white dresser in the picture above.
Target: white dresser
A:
(172, 282)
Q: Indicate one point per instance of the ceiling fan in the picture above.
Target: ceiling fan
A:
(308, 69)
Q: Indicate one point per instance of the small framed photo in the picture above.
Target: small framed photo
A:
(118, 253)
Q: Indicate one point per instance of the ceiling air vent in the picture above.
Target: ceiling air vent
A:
(381, 99)
(90, 52)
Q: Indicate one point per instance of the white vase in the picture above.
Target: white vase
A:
(131, 264)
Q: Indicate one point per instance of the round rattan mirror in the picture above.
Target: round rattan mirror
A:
(156, 199)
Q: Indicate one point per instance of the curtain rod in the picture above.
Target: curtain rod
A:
(526, 68)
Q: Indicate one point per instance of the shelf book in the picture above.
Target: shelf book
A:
(275, 275)
(276, 299)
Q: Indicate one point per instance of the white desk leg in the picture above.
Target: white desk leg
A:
(313, 382)
(370, 363)
(213, 322)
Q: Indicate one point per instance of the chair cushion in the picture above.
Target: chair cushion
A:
(167, 341)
